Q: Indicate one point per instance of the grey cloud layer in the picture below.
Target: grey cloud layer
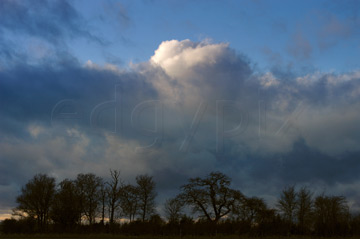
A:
(298, 129)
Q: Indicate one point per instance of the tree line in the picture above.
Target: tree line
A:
(204, 206)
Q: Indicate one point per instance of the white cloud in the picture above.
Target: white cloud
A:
(35, 130)
(197, 72)
(178, 58)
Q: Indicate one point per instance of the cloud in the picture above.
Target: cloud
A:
(333, 31)
(199, 71)
(63, 118)
(49, 20)
(39, 32)
(300, 47)
(321, 30)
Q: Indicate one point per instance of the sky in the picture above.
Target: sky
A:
(267, 92)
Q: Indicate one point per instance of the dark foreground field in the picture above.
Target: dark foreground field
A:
(107, 236)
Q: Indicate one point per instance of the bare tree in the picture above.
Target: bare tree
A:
(129, 201)
(287, 203)
(36, 198)
(173, 209)
(103, 199)
(113, 193)
(331, 215)
(146, 195)
(89, 189)
(210, 196)
(304, 209)
(249, 209)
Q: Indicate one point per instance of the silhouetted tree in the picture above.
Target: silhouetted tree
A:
(129, 201)
(103, 201)
(173, 209)
(331, 215)
(89, 188)
(36, 198)
(210, 196)
(304, 209)
(287, 204)
(220, 208)
(114, 187)
(65, 209)
(249, 209)
(146, 195)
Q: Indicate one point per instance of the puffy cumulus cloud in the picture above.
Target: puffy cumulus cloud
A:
(276, 110)
(178, 58)
(192, 108)
(199, 71)
(297, 127)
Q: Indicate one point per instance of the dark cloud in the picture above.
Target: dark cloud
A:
(170, 179)
(9, 53)
(304, 164)
(50, 20)
(32, 93)
(311, 132)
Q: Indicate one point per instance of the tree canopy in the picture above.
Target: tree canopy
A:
(210, 196)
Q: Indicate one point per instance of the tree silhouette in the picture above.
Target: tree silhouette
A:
(217, 208)
(249, 209)
(103, 200)
(304, 209)
(173, 209)
(113, 193)
(89, 189)
(331, 215)
(129, 201)
(210, 196)
(146, 195)
(287, 203)
(65, 209)
(36, 198)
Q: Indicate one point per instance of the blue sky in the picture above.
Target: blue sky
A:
(321, 35)
(267, 92)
